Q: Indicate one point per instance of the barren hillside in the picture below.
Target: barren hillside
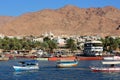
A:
(67, 20)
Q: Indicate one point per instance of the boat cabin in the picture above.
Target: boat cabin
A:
(29, 63)
(93, 48)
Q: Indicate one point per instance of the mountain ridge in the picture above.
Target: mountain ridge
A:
(68, 20)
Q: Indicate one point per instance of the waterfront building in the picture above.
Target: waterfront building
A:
(61, 42)
(38, 39)
(2, 36)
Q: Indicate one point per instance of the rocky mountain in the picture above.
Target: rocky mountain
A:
(5, 19)
(69, 20)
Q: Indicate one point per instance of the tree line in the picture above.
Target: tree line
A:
(27, 44)
(109, 44)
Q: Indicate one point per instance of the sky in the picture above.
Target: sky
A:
(19, 7)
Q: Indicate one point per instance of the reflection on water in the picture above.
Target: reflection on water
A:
(24, 72)
(111, 75)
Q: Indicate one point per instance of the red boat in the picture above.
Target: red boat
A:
(110, 68)
(103, 69)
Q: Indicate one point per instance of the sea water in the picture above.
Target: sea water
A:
(48, 71)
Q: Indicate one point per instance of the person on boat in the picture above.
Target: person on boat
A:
(112, 65)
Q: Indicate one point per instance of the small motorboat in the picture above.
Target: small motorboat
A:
(27, 65)
(109, 68)
(67, 63)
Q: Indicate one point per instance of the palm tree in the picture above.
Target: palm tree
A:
(44, 46)
(49, 44)
(71, 45)
(110, 44)
(52, 45)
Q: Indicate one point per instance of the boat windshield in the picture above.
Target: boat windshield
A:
(97, 44)
(31, 62)
(93, 44)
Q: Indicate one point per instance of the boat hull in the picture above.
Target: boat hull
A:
(110, 62)
(22, 68)
(112, 58)
(102, 69)
(67, 64)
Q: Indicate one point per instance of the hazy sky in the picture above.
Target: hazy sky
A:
(19, 7)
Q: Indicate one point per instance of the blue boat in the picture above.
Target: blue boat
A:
(27, 65)
(67, 63)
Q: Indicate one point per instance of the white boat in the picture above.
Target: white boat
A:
(103, 69)
(110, 62)
(110, 68)
(112, 58)
(27, 65)
(93, 48)
(67, 63)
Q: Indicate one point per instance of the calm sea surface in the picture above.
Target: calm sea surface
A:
(48, 71)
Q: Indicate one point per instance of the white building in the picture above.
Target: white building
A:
(60, 41)
(38, 39)
(2, 36)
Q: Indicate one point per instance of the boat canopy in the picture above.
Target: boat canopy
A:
(110, 62)
(28, 62)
